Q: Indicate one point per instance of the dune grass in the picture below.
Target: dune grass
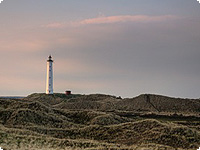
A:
(96, 122)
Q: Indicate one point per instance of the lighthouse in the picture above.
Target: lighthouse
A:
(49, 82)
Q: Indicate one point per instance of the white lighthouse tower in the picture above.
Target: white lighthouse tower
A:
(49, 82)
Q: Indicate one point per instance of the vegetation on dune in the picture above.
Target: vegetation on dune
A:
(99, 121)
(145, 103)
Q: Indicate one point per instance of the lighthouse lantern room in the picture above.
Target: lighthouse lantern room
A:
(49, 81)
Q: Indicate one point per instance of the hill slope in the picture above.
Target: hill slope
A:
(145, 103)
(99, 121)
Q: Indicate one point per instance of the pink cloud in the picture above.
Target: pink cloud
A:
(22, 45)
(55, 25)
(113, 19)
(126, 18)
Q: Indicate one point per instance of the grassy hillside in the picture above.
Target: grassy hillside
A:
(98, 121)
(142, 103)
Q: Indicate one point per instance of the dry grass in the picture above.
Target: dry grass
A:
(98, 121)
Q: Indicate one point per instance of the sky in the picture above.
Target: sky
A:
(117, 47)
